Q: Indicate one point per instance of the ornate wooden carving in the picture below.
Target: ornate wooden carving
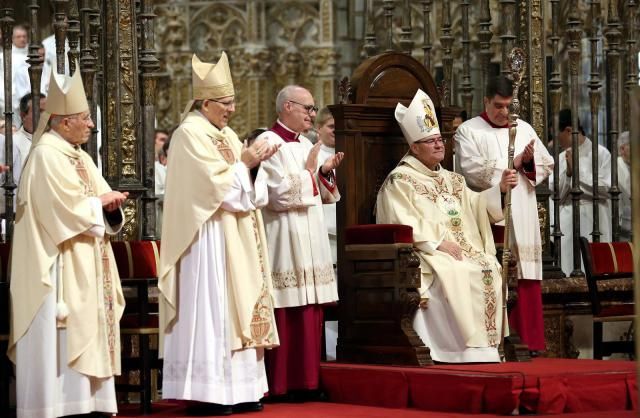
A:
(507, 35)
(377, 304)
(426, 34)
(88, 69)
(484, 36)
(594, 100)
(466, 86)
(614, 36)
(446, 41)
(389, 6)
(73, 35)
(149, 66)
(370, 47)
(555, 93)
(574, 33)
(9, 186)
(406, 42)
(367, 130)
(35, 61)
(60, 27)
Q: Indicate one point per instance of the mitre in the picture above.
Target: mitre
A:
(65, 97)
(419, 120)
(210, 81)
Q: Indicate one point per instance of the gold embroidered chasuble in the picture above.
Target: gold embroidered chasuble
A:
(439, 206)
(53, 215)
(481, 157)
(299, 250)
(199, 175)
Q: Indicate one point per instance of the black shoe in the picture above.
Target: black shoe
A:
(247, 407)
(203, 409)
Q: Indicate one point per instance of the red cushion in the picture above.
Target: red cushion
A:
(498, 233)
(379, 234)
(137, 259)
(616, 310)
(611, 257)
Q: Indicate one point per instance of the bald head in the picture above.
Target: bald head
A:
(296, 108)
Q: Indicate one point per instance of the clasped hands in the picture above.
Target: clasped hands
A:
(259, 151)
(113, 200)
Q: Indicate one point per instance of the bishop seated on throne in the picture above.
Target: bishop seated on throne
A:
(460, 317)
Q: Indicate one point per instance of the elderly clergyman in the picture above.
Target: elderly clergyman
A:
(66, 299)
(215, 279)
(460, 315)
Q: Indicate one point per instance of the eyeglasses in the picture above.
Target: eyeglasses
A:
(432, 141)
(308, 108)
(228, 104)
(86, 118)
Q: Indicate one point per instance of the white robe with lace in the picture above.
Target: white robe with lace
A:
(586, 202)
(198, 362)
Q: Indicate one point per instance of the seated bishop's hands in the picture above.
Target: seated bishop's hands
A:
(451, 248)
(509, 180)
(113, 200)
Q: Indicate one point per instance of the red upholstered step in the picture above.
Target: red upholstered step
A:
(379, 234)
(542, 386)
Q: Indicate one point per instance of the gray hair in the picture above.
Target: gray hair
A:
(197, 105)
(285, 95)
(623, 139)
(56, 120)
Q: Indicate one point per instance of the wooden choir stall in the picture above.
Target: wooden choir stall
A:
(379, 274)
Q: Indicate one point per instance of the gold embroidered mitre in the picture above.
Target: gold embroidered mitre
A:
(211, 81)
(419, 120)
(65, 97)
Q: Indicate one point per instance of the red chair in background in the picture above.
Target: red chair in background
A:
(138, 268)
(604, 261)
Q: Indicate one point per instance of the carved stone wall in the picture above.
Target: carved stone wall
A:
(270, 44)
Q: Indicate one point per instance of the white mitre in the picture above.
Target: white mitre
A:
(210, 81)
(419, 120)
(65, 96)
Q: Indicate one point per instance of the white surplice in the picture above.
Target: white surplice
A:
(586, 202)
(481, 157)
(198, 362)
(45, 386)
(624, 183)
(301, 262)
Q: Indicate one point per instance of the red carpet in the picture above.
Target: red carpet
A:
(333, 410)
(543, 386)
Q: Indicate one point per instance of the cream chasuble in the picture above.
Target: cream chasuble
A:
(463, 294)
(299, 251)
(586, 203)
(481, 156)
(200, 173)
(54, 212)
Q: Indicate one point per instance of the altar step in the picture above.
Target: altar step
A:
(542, 386)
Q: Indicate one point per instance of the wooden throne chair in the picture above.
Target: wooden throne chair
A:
(378, 271)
